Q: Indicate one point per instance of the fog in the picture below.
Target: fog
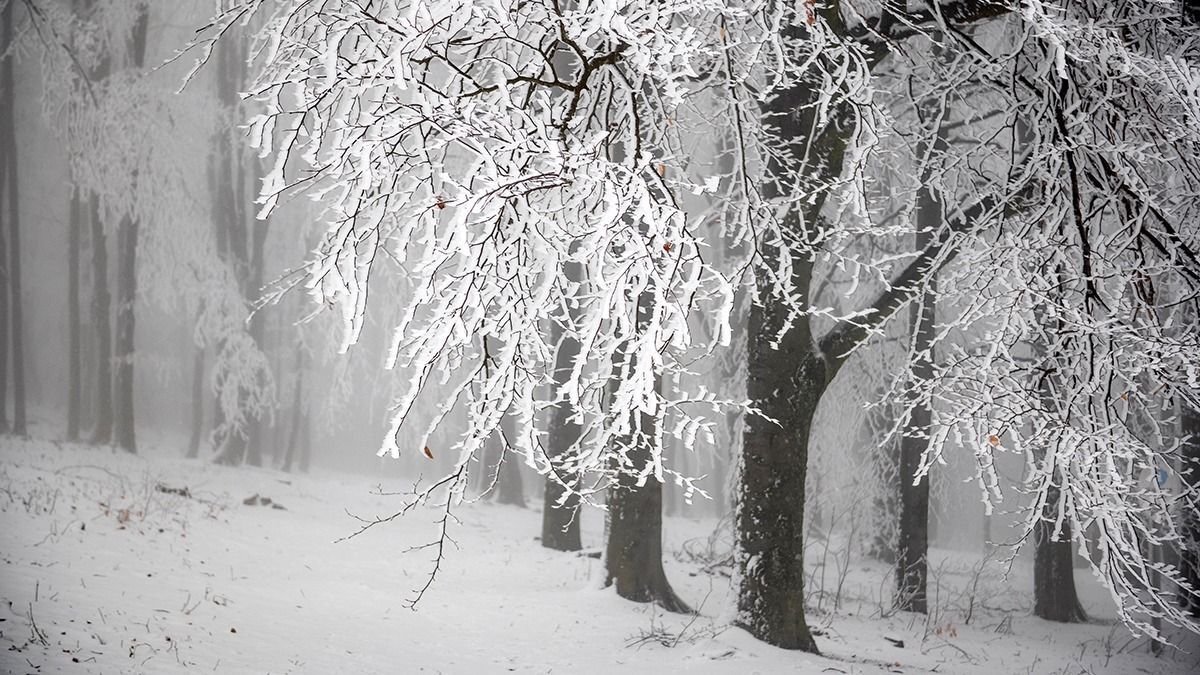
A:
(391, 414)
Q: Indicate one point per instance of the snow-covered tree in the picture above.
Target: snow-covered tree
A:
(471, 153)
(475, 152)
(133, 151)
(1079, 281)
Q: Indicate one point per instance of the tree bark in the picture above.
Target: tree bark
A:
(127, 247)
(74, 377)
(1189, 555)
(241, 239)
(886, 506)
(124, 430)
(101, 318)
(12, 201)
(297, 412)
(305, 442)
(912, 541)
(4, 305)
(1054, 593)
(633, 556)
(560, 509)
(786, 385)
(197, 430)
(6, 98)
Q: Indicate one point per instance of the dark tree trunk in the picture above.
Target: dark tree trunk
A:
(127, 246)
(74, 379)
(1189, 555)
(12, 201)
(912, 540)
(101, 318)
(560, 509)
(124, 431)
(1054, 572)
(197, 433)
(633, 557)
(4, 305)
(786, 385)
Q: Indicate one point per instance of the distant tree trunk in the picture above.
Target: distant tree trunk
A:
(1189, 555)
(510, 488)
(101, 318)
(672, 494)
(297, 411)
(633, 556)
(912, 540)
(87, 340)
(305, 442)
(127, 247)
(12, 200)
(241, 238)
(197, 433)
(125, 434)
(6, 109)
(4, 305)
(885, 506)
(256, 263)
(560, 508)
(74, 378)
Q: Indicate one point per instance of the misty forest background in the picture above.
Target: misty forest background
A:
(139, 315)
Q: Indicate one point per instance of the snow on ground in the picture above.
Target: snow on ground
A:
(103, 569)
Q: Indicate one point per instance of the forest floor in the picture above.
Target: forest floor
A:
(111, 563)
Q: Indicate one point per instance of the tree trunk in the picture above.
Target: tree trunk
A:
(305, 442)
(124, 431)
(786, 385)
(560, 510)
(127, 247)
(912, 540)
(74, 378)
(8, 86)
(297, 412)
(633, 557)
(197, 433)
(101, 317)
(1054, 572)
(886, 506)
(4, 305)
(1189, 556)
(241, 239)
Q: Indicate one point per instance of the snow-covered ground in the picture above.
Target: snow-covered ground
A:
(106, 568)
